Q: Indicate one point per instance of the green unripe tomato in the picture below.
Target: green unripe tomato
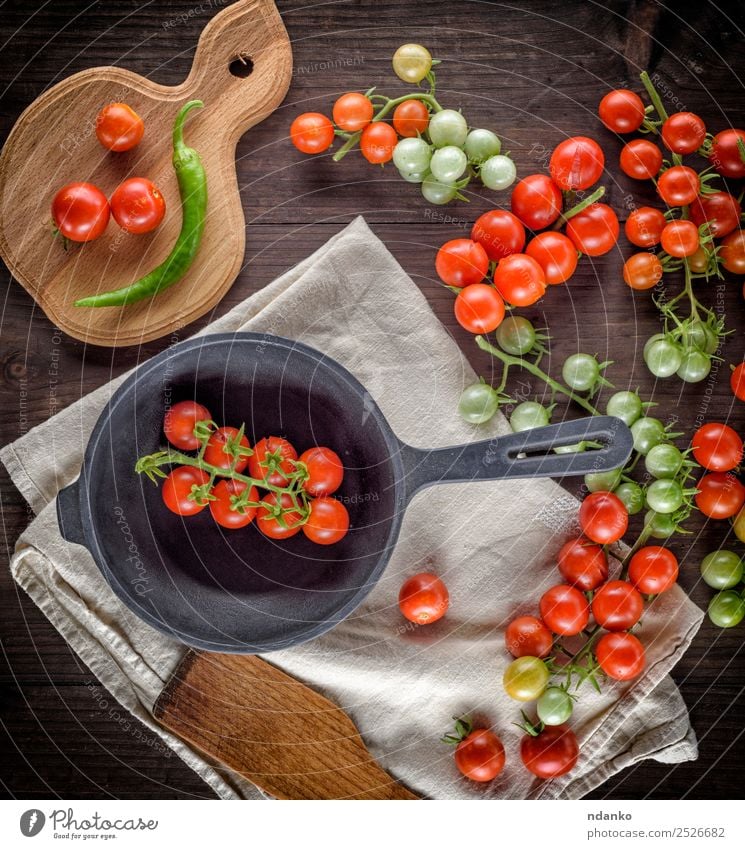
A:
(632, 496)
(662, 525)
(647, 432)
(727, 609)
(626, 406)
(498, 172)
(448, 164)
(412, 156)
(664, 496)
(664, 460)
(437, 192)
(516, 335)
(722, 569)
(447, 127)
(481, 144)
(528, 415)
(603, 481)
(555, 706)
(478, 403)
(663, 357)
(580, 372)
(694, 367)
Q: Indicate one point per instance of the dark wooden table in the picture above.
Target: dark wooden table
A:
(532, 71)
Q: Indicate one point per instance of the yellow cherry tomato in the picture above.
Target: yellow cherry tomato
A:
(525, 679)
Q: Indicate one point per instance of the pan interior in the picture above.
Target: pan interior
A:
(238, 590)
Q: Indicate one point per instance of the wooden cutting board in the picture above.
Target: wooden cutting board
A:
(54, 142)
(284, 737)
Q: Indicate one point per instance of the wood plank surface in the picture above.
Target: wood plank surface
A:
(532, 70)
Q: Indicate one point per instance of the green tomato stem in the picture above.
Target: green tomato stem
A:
(654, 96)
(579, 207)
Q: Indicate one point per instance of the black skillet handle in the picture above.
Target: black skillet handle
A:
(497, 458)
(68, 513)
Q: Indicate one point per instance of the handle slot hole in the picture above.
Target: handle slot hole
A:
(242, 66)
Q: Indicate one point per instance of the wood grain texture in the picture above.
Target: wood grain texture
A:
(54, 143)
(283, 736)
(533, 70)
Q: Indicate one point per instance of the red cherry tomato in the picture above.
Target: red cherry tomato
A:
(479, 308)
(352, 111)
(119, 127)
(683, 132)
(520, 280)
(80, 212)
(179, 421)
(328, 521)
(527, 636)
(576, 163)
(564, 610)
(594, 231)
(717, 447)
(653, 570)
(726, 156)
(732, 252)
(737, 381)
(377, 142)
(678, 186)
(138, 205)
(644, 226)
(325, 471)
(216, 455)
(224, 492)
(177, 488)
(500, 233)
(622, 111)
(556, 255)
(553, 752)
(621, 656)
(680, 238)
(411, 118)
(720, 495)
(583, 564)
(272, 460)
(536, 201)
(312, 132)
(642, 271)
(617, 606)
(720, 210)
(641, 159)
(603, 517)
(480, 756)
(423, 598)
(461, 262)
(270, 524)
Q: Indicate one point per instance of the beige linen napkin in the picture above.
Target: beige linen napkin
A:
(494, 544)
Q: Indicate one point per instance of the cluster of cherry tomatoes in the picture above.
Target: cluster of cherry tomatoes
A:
(81, 211)
(429, 145)
(497, 247)
(269, 483)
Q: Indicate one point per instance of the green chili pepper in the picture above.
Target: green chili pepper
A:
(192, 184)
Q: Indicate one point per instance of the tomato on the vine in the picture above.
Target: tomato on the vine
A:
(642, 271)
(594, 231)
(680, 238)
(552, 752)
(119, 127)
(737, 381)
(583, 564)
(621, 111)
(216, 454)
(556, 255)
(377, 142)
(224, 491)
(720, 495)
(576, 163)
(564, 610)
(499, 232)
(620, 656)
(732, 252)
(528, 636)
(641, 159)
(270, 524)
(683, 132)
(653, 569)
(719, 210)
(536, 201)
(328, 521)
(479, 308)
(525, 678)
(177, 488)
(179, 421)
(727, 153)
(717, 447)
(679, 185)
(644, 226)
(617, 606)
(603, 517)
(138, 206)
(352, 112)
(520, 280)
(80, 212)
(423, 598)
(312, 132)
(325, 471)
(461, 262)
(480, 755)
(410, 118)
(272, 460)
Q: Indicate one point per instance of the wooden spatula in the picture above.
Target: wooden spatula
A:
(284, 737)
